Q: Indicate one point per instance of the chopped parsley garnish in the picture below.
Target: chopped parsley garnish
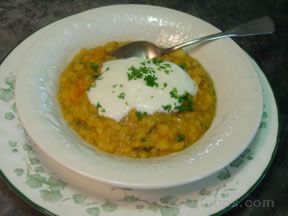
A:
(183, 66)
(134, 73)
(157, 61)
(174, 93)
(140, 115)
(161, 67)
(151, 80)
(167, 107)
(147, 71)
(114, 85)
(180, 137)
(121, 95)
(99, 107)
(94, 66)
(107, 68)
(95, 76)
(184, 102)
(167, 65)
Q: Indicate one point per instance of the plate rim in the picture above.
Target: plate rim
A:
(222, 211)
(145, 186)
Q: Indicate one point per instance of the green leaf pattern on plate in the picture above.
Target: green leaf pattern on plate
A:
(9, 116)
(263, 123)
(12, 143)
(79, 198)
(10, 81)
(35, 180)
(130, 199)
(94, 211)
(51, 196)
(13, 146)
(34, 161)
(169, 211)
(154, 206)
(204, 192)
(109, 206)
(19, 171)
(191, 203)
(139, 206)
(6, 94)
(27, 147)
(56, 184)
(39, 169)
(169, 200)
(54, 190)
(14, 108)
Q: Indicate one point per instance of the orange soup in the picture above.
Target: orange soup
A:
(138, 134)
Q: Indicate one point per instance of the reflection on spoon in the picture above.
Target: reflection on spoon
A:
(146, 49)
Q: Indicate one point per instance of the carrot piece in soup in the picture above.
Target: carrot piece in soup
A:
(98, 53)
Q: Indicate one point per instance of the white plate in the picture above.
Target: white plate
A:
(239, 96)
(51, 194)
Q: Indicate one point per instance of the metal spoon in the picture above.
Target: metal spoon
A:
(146, 49)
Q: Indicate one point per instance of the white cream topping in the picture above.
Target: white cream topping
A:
(146, 85)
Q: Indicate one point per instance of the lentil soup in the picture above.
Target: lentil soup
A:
(138, 134)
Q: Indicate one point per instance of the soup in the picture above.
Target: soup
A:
(137, 133)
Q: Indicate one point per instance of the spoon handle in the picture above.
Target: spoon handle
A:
(263, 25)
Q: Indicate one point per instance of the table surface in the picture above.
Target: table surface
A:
(21, 18)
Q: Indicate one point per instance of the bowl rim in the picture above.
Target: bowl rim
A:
(25, 122)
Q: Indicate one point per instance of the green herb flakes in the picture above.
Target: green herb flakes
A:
(183, 66)
(99, 107)
(157, 61)
(151, 80)
(140, 115)
(165, 84)
(174, 93)
(95, 76)
(167, 107)
(184, 102)
(180, 137)
(94, 66)
(121, 95)
(147, 71)
(134, 73)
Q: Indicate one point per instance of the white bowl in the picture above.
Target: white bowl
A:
(239, 96)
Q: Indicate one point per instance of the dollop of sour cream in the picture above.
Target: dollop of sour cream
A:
(147, 85)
